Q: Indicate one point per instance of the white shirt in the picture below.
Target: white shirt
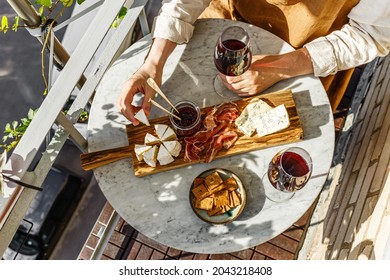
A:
(365, 37)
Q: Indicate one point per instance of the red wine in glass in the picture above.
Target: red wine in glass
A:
(290, 169)
(232, 56)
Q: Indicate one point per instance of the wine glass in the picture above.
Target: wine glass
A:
(232, 57)
(288, 172)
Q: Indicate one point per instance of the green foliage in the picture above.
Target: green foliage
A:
(44, 3)
(16, 24)
(67, 3)
(15, 130)
(80, 2)
(4, 24)
(122, 13)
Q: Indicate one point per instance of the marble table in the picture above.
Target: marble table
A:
(158, 205)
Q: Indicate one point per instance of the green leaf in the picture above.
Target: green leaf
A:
(14, 124)
(122, 13)
(4, 24)
(46, 3)
(40, 11)
(7, 128)
(67, 3)
(30, 114)
(80, 2)
(115, 24)
(16, 24)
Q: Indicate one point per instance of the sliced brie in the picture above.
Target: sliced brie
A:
(168, 135)
(142, 117)
(160, 129)
(140, 150)
(150, 156)
(151, 139)
(248, 118)
(173, 147)
(273, 121)
(163, 156)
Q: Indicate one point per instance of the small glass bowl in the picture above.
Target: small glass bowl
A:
(190, 118)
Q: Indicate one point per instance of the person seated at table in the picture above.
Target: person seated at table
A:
(330, 37)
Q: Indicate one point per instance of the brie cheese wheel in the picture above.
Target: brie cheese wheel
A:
(173, 147)
(160, 129)
(151, 139)
(248, 118)
(140, 150)
(142, 117)
(168, 135)
(163, 156)
(273, 121)
(150, 156)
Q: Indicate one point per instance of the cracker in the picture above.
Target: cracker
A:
(231, 184)
(221, 198)
(213, 180)
(205, 203)
(198, 181)
(200, 191)
(235, 200)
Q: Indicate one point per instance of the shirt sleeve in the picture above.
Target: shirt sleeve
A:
(176, 18)
(365, 37)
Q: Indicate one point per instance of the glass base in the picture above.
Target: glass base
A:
(222, 91)
(274, 194)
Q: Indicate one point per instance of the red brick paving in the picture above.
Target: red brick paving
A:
(126, 243)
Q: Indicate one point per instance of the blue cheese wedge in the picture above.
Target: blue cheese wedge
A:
(272, 121)
(163, 156)
(248, 118)
(173, 147)
(142, 117)
(140, 150)
(150, 156)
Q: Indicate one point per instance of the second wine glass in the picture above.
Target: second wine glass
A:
(288, 172)
(232, 57)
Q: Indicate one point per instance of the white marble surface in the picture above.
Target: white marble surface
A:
(158, 205)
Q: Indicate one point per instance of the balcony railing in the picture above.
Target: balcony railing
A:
(50, 117)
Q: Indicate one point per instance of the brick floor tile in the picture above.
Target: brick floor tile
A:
(274, 252)
(119, 239)
(151, 243)
(157, 255)
(92, 241)
(285, 243)
(302, 221)
(294, 233)
(223, 257)
(113, 251)
(243, 254)
(120, 224)
(201, 256)
(258, 256)
(173, 253)
(132, 250)
(186, 256)
(105, 258)
(144, 253)
(98, 229)
(106, 213)
(86, 254)
(127, 229)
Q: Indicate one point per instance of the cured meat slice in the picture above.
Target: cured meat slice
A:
(217, 133)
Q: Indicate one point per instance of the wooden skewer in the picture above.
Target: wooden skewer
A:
(162, 108)
(154, 85)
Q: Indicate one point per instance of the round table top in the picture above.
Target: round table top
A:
(158, 205)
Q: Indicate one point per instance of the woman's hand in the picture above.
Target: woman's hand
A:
(137, 83)
(267, 70)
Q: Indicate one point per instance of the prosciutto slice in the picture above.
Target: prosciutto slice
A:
(217, 133)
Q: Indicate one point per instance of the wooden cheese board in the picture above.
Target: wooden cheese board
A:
(136, 135)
